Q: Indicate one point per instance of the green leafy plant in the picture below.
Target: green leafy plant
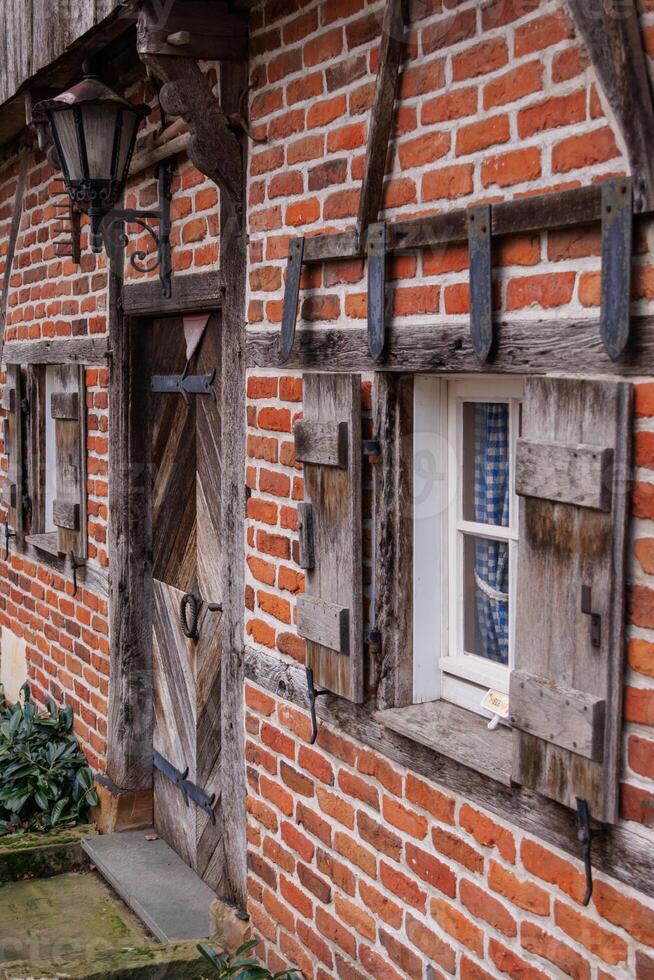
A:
(44, 777)
(240, 967)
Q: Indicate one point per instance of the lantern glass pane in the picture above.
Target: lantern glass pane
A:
(130, 124)
(63, 121)
(99, 132)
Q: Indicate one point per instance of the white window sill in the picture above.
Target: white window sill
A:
(456, 733)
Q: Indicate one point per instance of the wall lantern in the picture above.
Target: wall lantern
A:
(94, 132)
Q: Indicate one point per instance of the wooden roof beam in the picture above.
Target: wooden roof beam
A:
(383, 113)
(611, 34)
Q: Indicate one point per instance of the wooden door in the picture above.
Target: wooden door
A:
(186, 467)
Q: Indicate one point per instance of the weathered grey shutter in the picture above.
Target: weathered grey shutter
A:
(68, 409)
(13, 445)
(330, 613)
(572, 472)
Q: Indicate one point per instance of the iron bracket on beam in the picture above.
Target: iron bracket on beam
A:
(617, 224)
(184, 384)
(8, 536)
(189, 789)
(291, 296)
(312, 694)
(376, 250)
(587, 834)
(481, 303)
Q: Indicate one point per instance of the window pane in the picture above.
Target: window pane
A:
(486, 463)
(486, 598)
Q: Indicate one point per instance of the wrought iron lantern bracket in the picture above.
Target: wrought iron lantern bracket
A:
(126, 216)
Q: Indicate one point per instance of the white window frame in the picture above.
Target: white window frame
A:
(441, 667)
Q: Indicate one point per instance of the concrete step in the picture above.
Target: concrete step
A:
(153, 881)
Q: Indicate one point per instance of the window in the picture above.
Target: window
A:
(465, 537)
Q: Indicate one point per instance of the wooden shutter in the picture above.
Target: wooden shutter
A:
(68, 409)
(13, 447)
(572, 472)
(330, 613)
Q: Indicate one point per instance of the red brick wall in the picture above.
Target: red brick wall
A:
(357, 868)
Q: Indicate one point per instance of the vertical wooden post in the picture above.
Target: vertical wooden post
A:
(129, 749)
(233, 263)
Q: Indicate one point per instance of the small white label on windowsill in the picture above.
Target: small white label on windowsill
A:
(498, 704)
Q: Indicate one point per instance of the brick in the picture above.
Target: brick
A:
(483, 906)
(290, 581)
(454, 105)
(507, 962)
(405, 958)
(341, 204)
(405, 820)
(378, 836)
(274, 606)
(294, 952)
(282, 185)
(644, 966)
(553, 869)
(358, 789)
(335, 932)
(644, 399)
(278, 741)
(641, 656)
(297, 841)
(339, 873)
(457, 925)
(295, 781)
(546, 291)
(401, 885)
(313, 824)
(535, 940)
(584, 151)
(259, 701)
(316, 308)
(276, 795)
(278, 484)
(608, 946)
(449, 182)
(569, 63)
(488, 833)
(398, 192)
(262, 869)
(303, 212)
(573, 243)
(625, 912)
(480, 59)
(642, 504)
(448, 32)
(307, 87)
(563, 110)
(326, 174)
(642, 599)
(457, 849)
(514, 167)
(424, 795)
(639, 705)
(482, 134)
(258, 387)
(273, 544)
(382, 906)
(335, 807)
(316, 764)
(261, 632)
(417, 79)
(307, 148)
(500, 13)
(324, 112)
(262, 814)
(335, 744)
(260, 447)
(472, 971)
(354, 916)
(323, 48)
(296, 897)
(313, 883)
(641, 756)
(431, 870)
(278, 911)
(423, 149)
(513, 85)
(376, 965)
(371, 764)
(349, 137)
(542, 33)
(278, 855)
(363, 30)
(525, 894)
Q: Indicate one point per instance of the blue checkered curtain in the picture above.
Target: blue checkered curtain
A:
(492, 507)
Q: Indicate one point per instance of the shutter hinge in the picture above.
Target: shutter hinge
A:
(586, 835)
(595, 618)
(312, 694)
(189, 789)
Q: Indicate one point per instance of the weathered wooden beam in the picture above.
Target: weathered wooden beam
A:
(196, 291)
(522, 347)
(559, 209)
(382, 114)
(131, 716)
(61, 350)
(185, 92)
(620, 853)
(200, 29)
(611, 34)
(233, 252)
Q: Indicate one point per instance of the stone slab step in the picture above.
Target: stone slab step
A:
(153, 881)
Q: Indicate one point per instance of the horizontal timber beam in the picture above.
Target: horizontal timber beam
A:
(539, 213)
(521, 347)
(620, 853)
(196, 291)
(62, 350)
